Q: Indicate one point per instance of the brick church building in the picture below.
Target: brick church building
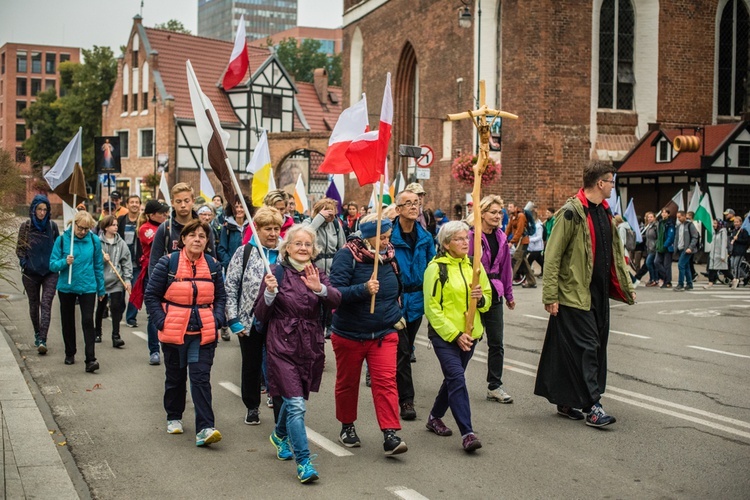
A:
(587, 79)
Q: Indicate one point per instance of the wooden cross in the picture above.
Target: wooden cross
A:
(479, 119)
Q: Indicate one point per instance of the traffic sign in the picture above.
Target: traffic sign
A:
(103, 179)
(428, 156)
(423, 173)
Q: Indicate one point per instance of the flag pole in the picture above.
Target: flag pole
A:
(377, 242)
(73, 222)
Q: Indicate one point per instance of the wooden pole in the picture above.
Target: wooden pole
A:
(115, 270)
(479, 118)
(377, 241)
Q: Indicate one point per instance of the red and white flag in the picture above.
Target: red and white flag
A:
(352, 122)
(238, 61)
(367, 153)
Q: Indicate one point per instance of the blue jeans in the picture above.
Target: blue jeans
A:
(683, 265)
(453, 393)
(291, 422)
(653, 275)
(131, 313)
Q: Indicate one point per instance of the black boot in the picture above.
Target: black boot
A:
(117, 341)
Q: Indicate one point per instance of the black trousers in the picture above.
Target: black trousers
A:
(404, 380)
(40, 310)
(493, 328)
(116, 302)
(86, 302)
(251, 348)
(175, 385)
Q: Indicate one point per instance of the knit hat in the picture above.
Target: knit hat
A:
(369, 229)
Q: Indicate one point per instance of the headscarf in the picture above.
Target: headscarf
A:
(40, 225)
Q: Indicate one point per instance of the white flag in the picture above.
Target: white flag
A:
(164, 188)
(695, 199)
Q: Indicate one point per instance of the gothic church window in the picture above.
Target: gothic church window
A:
(616, 37)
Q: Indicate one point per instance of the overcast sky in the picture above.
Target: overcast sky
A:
(84, 23)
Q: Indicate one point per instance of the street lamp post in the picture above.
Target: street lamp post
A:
(153, 108)
(464, 21)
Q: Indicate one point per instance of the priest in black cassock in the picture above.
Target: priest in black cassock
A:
(584, 267)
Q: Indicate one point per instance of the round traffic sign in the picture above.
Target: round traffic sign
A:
(428, 156)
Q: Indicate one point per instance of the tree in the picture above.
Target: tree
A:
(302, 59)
(173, 25)
(54, 121)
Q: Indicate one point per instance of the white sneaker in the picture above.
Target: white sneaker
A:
(174, 426)
(269, 402)
(499, 395)
(637, 283)
(735, 283)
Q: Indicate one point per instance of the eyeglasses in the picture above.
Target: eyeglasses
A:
(611, 181)
(300, 244)
(409, 204)
(465, 239)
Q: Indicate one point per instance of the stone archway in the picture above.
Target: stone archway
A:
(306, 162)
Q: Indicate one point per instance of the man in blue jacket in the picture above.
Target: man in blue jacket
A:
(415, 248)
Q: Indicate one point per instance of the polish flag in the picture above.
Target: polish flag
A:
(352, 122)
(367, 153)
(239, 60)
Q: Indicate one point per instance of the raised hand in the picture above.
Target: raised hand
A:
(311, 279)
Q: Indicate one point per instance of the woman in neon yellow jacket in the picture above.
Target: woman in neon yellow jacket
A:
(447, 291)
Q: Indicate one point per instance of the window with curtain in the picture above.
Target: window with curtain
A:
(616, 43)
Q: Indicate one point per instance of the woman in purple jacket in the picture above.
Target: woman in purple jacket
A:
(496, 260)
(290, 305)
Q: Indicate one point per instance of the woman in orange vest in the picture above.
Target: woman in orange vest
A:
(185, 299)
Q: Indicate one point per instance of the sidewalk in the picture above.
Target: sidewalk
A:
(31, 464)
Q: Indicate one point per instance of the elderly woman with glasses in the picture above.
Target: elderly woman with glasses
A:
(289, 304)
(84, 284)
(359, 335)
(447, 290)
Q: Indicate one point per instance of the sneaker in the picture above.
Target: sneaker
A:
(408, 412)
(571, 413)
(678, 288)
(437, 426)
(666, 285)
(283, 449)
(413, 358)
(41, 348)
(36, 339)
(98, 338)
(525, 285)
(117, 341)
(225, 335)
(92, 366)
(132, 324)
(471, 443)
(207, 436)
(70, 360)
(392, 444)
(252, 417)
(652, 284)
(269, 401)
(707, 286)
(597, 417)
(368, 383)
(735, 283)
(637, 283)
(348, 437)
(154, 359)
(306, 472)
(689, 287)
(174, 426)
(499, 395)
(263, 389)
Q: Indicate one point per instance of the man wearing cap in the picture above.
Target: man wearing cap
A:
(426, 218)
(728, 218)
(127, 227)
(117, 211)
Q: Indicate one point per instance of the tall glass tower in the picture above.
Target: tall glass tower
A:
(219, 18)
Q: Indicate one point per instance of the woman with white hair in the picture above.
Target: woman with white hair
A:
(289, 303)
(447, 290)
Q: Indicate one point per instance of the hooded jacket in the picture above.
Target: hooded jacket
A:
(446, 306)
(569, 259)
(88, 264)
(412, 265)
(35, 241)
(119, 256)
(330, 237)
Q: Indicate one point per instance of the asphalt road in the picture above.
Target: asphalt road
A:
(678, 385)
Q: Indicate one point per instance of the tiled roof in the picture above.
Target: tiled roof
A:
(642, 159)
(209, 58)
(320, 117)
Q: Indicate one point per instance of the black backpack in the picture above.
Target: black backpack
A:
(530, 223)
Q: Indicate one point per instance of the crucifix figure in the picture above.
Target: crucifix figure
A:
(479, 119)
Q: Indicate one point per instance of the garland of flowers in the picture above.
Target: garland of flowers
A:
(462, 170)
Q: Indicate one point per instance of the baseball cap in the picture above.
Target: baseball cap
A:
(154, 207)
(108, 206)
(114, 195)
(415, 188)
(470, 204)
(729, 211)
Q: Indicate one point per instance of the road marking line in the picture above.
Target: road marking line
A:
(406, 493)
(613, 331)
(718, 352)
(313, 436)
(139, 334)
(732, 296)
(689, 418)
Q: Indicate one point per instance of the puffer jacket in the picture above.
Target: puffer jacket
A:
(569, 259)
(194, 301)
(168, 236)
(230, 239)
(88, 264)
(412, 264)
(35, 241)
(445, 307)
(119, 255)
(330, 237)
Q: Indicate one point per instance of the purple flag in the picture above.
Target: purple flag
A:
(333, 193)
